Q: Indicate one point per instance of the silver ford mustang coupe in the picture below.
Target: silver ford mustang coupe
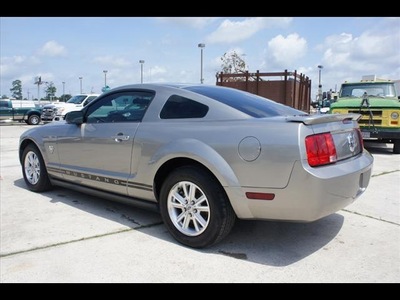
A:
(203, 156)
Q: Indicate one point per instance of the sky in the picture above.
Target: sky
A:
(65, 49)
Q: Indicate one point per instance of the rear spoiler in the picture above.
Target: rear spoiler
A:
(324, 118)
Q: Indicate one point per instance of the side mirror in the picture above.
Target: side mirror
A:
(74, 117)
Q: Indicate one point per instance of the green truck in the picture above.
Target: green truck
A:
(378, 103)
(20, 110)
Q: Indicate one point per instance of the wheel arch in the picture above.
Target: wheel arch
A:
(195, 153)
(171, 165)
(25, 143)
(33, 113)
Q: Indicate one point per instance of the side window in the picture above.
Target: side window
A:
(178, 107)
(90, 99)
(120, 107)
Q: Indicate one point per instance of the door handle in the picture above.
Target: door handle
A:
(120, 137)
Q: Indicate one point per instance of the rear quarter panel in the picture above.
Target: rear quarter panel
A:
(217, 146)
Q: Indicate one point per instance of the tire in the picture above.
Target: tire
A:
(396, 146)
(205, 218)
(34, 170)
(33, 119)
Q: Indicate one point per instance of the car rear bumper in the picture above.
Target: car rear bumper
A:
(311, 194)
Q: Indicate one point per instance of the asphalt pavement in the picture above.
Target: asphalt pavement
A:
(63, 236)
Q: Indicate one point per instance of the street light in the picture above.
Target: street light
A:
(201, 46)
(319, 83)
(80, 78)
(105, 77)
(141, 70)
(63, 91)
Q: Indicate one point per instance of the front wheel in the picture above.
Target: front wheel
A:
(34, 170)
(195, 208)
(33, 119)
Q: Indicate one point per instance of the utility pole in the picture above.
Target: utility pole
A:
(38, 81)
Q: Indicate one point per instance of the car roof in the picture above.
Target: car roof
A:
(172, 85)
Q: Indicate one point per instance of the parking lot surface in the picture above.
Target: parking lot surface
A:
(64, 236)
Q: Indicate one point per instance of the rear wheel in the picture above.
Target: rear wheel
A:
(195, 208)
(34, 170)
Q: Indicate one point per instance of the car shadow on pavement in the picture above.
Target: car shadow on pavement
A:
(114, 211)
(279, 243)
(263, 242)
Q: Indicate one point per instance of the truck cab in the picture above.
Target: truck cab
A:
(378, 102)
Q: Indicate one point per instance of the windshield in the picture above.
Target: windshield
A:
(372, 90)
(77, 99)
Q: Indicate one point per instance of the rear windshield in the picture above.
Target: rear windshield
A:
(250, 104)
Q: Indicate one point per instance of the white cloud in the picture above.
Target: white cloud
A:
(236, 31)
(370, 53)
(157, 70)
(154, 73)
(12, 66)
(52, 48)
(286, 51)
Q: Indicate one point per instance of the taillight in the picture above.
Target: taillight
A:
(320, 149)
(360, 138)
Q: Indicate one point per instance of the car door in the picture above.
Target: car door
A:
(6, 112)
(98, 153)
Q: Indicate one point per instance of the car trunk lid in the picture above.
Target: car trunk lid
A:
(334, 137)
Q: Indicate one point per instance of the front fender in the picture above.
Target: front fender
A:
(24, 142)
(42, 137)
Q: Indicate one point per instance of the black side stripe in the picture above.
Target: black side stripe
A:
(103, 179)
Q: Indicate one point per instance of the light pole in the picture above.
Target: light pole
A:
(319, 83)
(201, 46)
(38, 81)
(105, 77)
(80, 78)
(141, 70)
(63, 91)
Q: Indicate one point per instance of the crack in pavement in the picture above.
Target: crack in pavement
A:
(79, 240)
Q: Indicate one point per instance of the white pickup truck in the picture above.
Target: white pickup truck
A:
(57, 111)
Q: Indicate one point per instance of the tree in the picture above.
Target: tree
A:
(16, 89)
(65, 97)
(233, 63)
(50, 90)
